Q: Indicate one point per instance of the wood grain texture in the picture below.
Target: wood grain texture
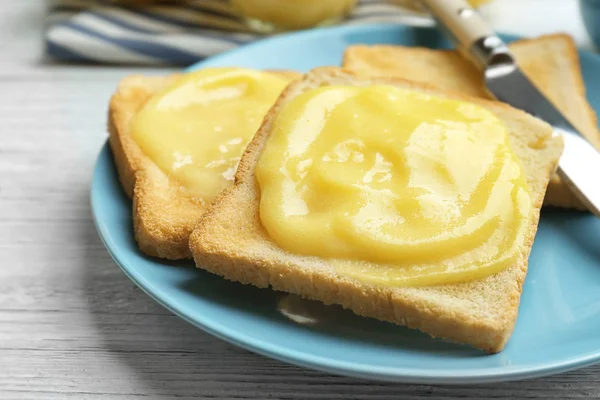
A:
(72, 326)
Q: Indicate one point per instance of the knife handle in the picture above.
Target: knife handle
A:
(469, 31)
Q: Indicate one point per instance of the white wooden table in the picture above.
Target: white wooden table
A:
(71, 324)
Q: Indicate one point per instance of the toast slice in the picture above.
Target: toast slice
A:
(164, 213)
(551, 62)
(230, 240)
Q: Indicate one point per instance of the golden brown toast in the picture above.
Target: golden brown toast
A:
(230, 240)
(164, 213)
(551, 62)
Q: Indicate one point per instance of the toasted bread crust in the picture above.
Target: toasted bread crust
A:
(550, 61)
(230, 241)
(164, 213)
(155, 235)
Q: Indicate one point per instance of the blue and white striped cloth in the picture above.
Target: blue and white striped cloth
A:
(180, 33)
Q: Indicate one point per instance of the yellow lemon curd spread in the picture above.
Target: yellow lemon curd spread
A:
(294, 14)
(197, 129)
(393, 186)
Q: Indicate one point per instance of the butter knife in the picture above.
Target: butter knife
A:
(580, 161)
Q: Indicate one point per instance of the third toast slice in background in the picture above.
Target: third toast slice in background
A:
(551, 62)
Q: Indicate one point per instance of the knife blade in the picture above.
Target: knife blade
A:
(506, 82)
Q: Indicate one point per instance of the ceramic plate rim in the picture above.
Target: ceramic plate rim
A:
(286, 354)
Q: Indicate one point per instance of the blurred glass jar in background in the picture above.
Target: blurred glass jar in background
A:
(590, 13)
(284, 15)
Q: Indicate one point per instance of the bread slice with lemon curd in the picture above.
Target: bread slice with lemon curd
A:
(551, 62)
(164, 211)
(232, 242)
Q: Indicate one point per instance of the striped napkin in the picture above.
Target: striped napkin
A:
(180, 33)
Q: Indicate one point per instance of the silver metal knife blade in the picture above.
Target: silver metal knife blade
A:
(579, 159)
(505, 81)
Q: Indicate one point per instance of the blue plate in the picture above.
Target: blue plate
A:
(558, 328)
